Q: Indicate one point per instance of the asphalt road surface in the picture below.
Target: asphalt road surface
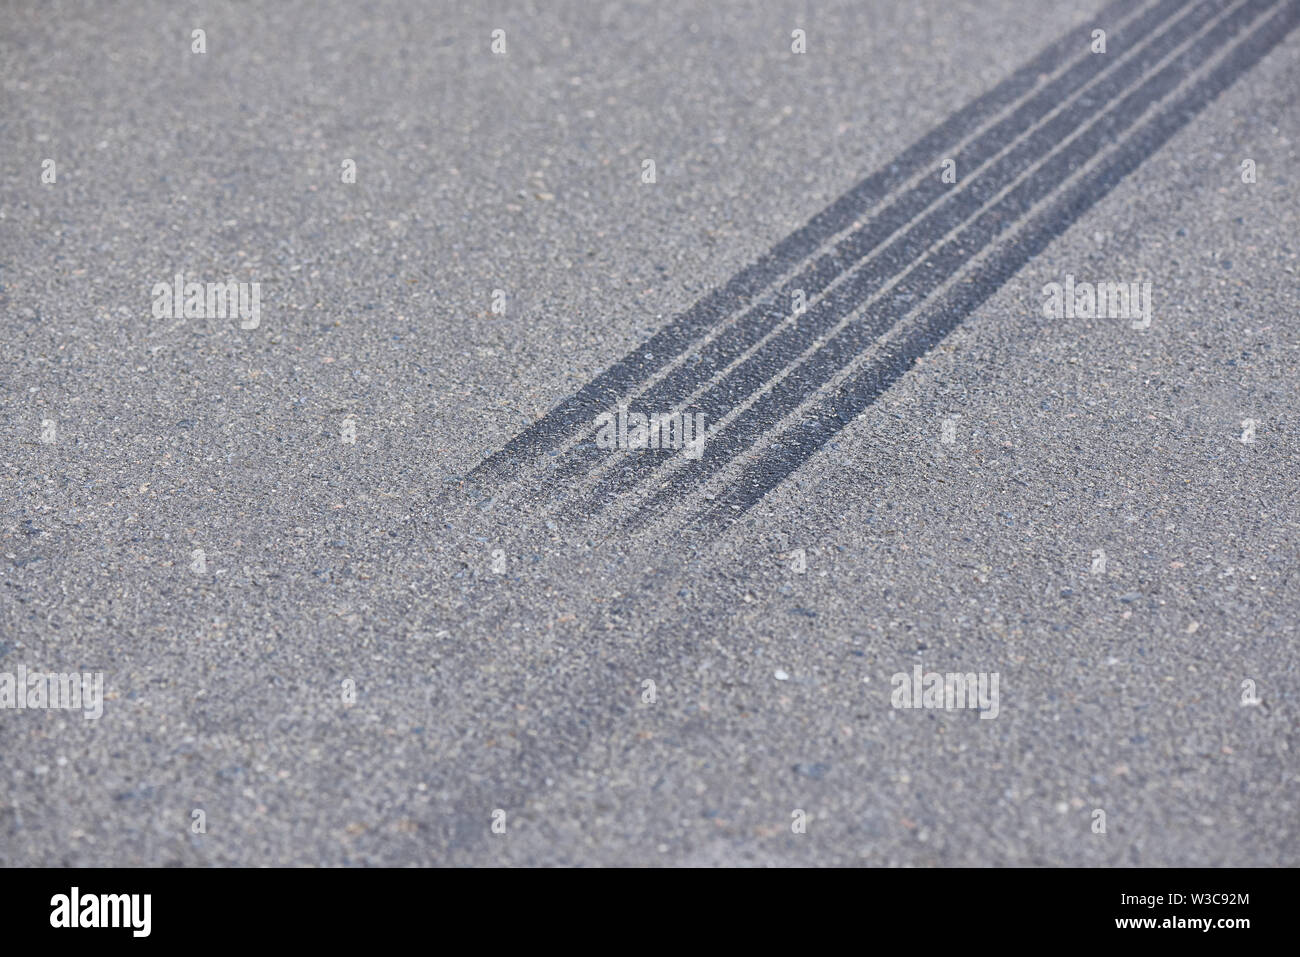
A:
(374, 571)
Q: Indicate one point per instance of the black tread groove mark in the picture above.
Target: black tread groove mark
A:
(800, 385)
(576, 412)
(906, 255)
(772, 310)
(799, 442)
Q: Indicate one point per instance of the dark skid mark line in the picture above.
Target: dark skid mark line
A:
(788, 393)
(923, 274)
(761, 319)
(580, 409)
(798, 443)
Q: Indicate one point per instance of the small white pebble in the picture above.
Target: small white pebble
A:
(780, 675)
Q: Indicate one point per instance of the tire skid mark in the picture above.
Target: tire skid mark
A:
(670, 342)
(769, 314)
(913, 257)
(802, 440)
(1043, 151)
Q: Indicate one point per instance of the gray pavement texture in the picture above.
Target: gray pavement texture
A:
(391, 640)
